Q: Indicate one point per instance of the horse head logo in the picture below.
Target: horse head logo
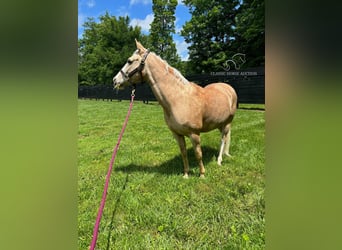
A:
(237, 61)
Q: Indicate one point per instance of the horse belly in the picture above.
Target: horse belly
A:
(183, 122)
(211, 123)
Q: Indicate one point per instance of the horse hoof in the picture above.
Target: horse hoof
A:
(202, 176)
(186, 176)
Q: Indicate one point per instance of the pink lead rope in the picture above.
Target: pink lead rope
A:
(104, 195)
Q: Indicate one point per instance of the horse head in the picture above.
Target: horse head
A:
(133, 71)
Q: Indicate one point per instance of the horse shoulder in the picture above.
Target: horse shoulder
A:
(187, 110)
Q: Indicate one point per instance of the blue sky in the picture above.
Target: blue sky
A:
(139, 12)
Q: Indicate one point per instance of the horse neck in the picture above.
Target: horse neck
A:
(166, 83)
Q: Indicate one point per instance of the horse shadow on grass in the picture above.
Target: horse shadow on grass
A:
(174, 166)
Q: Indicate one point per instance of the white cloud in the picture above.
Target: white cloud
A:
(178, 27)
(182, 49)
(143, 23)
(122, 11)
(81, 20)
(145, 2)
(91, 3)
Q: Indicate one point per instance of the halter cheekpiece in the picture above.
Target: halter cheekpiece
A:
(137, 69)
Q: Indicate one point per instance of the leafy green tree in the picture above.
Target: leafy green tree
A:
(162, 28)
(104, 48)
(250, 31)
(219, 29)
(210, 33)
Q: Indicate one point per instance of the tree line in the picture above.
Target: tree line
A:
(216, 31)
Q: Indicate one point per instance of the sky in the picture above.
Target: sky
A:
(140, 13)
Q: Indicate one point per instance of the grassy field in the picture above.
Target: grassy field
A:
(149, 205)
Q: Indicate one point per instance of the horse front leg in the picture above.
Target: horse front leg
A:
(196, 143)
(182, 146)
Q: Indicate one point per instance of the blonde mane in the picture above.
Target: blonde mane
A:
(173, 71)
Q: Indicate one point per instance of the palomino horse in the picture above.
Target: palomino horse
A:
(188, 108)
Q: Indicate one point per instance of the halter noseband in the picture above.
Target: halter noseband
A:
(137, 69)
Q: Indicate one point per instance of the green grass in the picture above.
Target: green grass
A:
(149, 205)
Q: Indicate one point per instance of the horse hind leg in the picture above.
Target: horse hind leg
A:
(219, 158)
(225, 143)
(227, 146)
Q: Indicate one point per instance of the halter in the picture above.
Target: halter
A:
(137, 69)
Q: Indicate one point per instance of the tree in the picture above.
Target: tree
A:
(219, 29)
(250, 31)
(210, 33)
(162, 28)
(104, 48)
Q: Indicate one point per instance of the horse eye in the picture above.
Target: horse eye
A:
(129, 61)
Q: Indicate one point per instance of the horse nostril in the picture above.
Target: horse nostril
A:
(115, 84)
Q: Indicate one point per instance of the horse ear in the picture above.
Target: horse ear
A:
(139, 46)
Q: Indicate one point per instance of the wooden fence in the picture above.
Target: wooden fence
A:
(249, 85)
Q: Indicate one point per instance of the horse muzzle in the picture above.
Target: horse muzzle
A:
(116, 84)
